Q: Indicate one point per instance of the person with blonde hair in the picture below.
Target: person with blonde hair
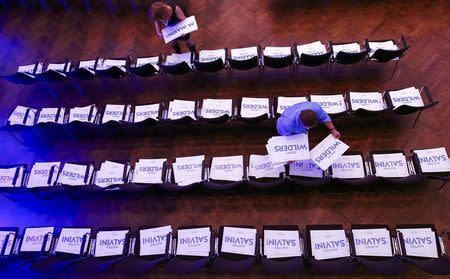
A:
(168, 13)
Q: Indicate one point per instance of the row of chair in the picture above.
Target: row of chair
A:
(310, 55)
(350, 171)
(365, 104)
(280, 249)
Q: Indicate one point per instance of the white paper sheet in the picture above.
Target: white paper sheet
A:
(71, 239)
(194, 242)
(110, 173)
(180, 108)
(433, 159)
(254, 107)
(61, 67)
(372, 101)
(349, 48)
(7, 177)
(277, 52)
(88, 64)
(306, 168)
(328, 151)
(148, 171)
(28, 69)
(176, 58)
(261, 166)
(285, 102)
(188, 170)
(244, 53)
(9, 246)
(212, 108)
(182, 28)
(348, 166)
(109, 63)
(387, 45)
(330, 103)
(153, 241)
(49, 115)
(314, 48)
(241, 241)
(17, 117)
(420, 242)
(228, 168)
(40, 174)
(408, 96)
(144, 112)
(205, 56)
(115, 113)
(281, 244)
(148, 60)
(82, 114)
(33, 239)
(329, 244)
(282, 149)
(390, 165)
(110, 243)
(73, 174)
(372, 242)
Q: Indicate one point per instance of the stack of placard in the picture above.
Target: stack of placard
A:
(76, 174)
(419, 242)
(260, 166)
(371, 101)
(372, 242)
(144, 112)
(116, 113)
(194, 242)
(240, 241)
(348, 167)
(214, 108)
(83, 114)
(105, 64)
(314, 48)
(111, 173)
(149, 171)
(43, 174)
(71, 240)
(228, 168)
(52, 115)
(434, 160)
(408, 96)
(12, 177)
(390, 165)
(305, 168)
(34, 239)
(283, 149)
(88, 65)
(254, 107)
(153, 241)
(282, 244)
(188, 170)
(110, 243)
(329, 244)
(142, 61)
(22, 116)
(180, 108)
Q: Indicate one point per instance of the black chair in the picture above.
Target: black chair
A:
(279, 62)
(259, 118)
(210, 66)
(332, 115)
(145, 70)
(182, 120)
(354, 183)
(55, 75)
(134, 186)
(17, 181)
(85, 128)
(282, 266)
(136, 262)
(442, 176)
(245, 64)
(114, 71)
(384, 56)
(406, 109)
(87, 179)
(265, 182)
(94, 263)
(347, 58)
(214, 184)
(177, 69)
(148, 120)
(362, 112)
(381, 265)
(183, 264)
(434, 266)
(50, 188)
(25, 78)
(230, 263)
(171, 185)
(338, 266)
(275, 101)
(84, 73)
(307, 182)
(313, 60)
(8, 239)
(125, 177)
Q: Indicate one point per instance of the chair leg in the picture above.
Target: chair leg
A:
(417, 118)
(395, 68)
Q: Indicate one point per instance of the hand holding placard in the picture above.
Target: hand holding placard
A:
(182, 28)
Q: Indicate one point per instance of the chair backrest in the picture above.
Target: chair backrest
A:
(314, 60)
(278, 62)
(383, 55)
(211, 67)
(350, 58)
(177, 69)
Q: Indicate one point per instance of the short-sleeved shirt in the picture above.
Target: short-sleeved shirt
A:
(289, 124)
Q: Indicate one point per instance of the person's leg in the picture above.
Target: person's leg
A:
(191, 46)
(176, 46)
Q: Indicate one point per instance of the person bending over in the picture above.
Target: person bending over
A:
(303, 116)
(169, 13)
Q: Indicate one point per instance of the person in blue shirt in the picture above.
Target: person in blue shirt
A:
(303, 116)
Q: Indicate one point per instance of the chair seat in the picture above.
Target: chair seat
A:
(349, 58)
(341, 266)
(137, 264)
(21, 78)
(283, 267)
(146, 70)
(173, 187)
(439, 266)
(389, 266)
(83, 74)
(210, 67)
(221, 185)
(244, 65)
(177, 69)
(231, 266)
(52, 76)
(314, 60)
(182, 265)
(278, 63)
(383, 55)
(113, 72)
(266, 183)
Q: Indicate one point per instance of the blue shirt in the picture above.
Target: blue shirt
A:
(289, 124)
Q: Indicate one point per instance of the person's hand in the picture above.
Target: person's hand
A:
(335, 134)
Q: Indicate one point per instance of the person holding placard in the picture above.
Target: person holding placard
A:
(169, 13)
(303, 116)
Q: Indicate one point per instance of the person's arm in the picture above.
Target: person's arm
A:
(180, 14)
(158, 29)
(332, 129)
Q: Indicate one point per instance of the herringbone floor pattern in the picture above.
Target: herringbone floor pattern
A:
(31, 33)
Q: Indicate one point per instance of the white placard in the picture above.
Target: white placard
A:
(372, 101)
(182, 28)
(73, 174)
(261, 166)
(433, 160)
(244, 53)
(50, 115)
(330, 103)
(254, 107)
(194, 242)
(180, 108)
(348, 166)
(420, 242)
(390, 165)
(305, 168)
(153, 241)
(328, 151)
(212, 108)
(148, 171)
(115, 113)
(88, 64)
(229, 168)
(110, 243)
(33, 239)
(285, 102)
(40, 174)
(177, 58)
(17, 117)
(144, 112)
(71, 239)
(315, 48)
(9, 245)
(409, 96)
(277, 52)
(282, 149)
(148, 60)
(281, 244)
(205, 56)
(60, 67)
(111, 173)
(387, 45)
(329, 244)
(7, 177)
(372, 242)
(348, 48)
(241, 241)
(28, 69)
(188, 170)
(109, 63)
(83, 114)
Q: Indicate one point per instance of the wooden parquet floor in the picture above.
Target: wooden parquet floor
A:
(85, 29)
